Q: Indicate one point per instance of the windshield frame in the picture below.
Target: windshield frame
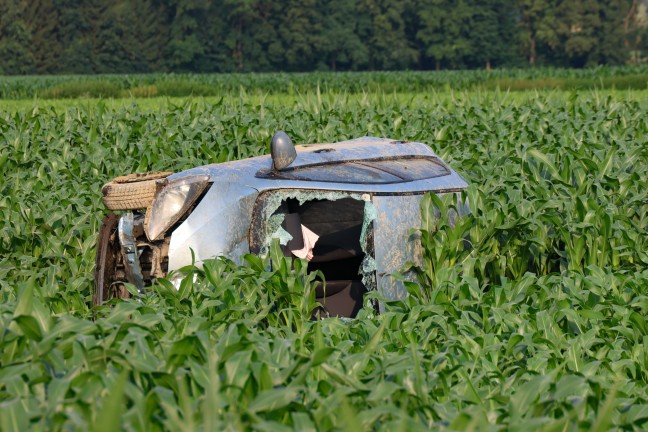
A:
(372, 164)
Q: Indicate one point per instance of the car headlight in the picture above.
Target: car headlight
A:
(172, 202)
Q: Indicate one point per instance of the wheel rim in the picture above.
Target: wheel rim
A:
(107, 250)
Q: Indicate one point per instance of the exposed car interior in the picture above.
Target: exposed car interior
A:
(337, 253)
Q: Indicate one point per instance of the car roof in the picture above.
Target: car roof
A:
(245, 171)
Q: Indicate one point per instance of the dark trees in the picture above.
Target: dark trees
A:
(102, 36)
(15, 39)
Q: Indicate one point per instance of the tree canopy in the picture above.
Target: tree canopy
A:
(129, 36)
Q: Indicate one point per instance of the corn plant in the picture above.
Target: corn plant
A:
(527, 313)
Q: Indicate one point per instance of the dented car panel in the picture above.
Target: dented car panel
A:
(220, 225)
(395, 240)
(361, 199)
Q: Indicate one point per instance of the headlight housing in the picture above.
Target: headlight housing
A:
(172, 202)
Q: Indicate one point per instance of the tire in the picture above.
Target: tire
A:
(131, 192)
(105, 262)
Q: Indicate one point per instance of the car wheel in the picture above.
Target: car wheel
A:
(106, 261)
(133, 191)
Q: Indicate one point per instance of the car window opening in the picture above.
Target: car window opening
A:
(337, 251)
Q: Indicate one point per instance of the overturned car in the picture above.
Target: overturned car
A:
(348, 208)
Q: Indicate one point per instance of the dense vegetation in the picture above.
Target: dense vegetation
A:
(415, 82)
(135, 36)
(537, 324)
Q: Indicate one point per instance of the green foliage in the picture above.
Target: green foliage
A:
(83, 88)
(384, 31)
(526, 314)
(104, 36)
(14, 40)
(443, 31)
(177, 85)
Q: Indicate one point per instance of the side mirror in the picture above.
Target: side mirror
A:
(282, 151)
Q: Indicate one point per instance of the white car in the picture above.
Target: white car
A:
(349, 208)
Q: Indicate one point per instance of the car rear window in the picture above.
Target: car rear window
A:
(368, 171)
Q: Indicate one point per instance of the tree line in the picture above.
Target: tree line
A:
(132, 36)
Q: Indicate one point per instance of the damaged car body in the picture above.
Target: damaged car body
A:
(349, 208)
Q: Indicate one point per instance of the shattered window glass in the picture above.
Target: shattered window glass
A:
(365, 172)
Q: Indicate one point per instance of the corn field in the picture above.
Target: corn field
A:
(527, 314)
(181, 85)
